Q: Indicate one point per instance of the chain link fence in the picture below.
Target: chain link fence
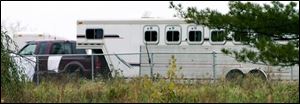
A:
(195, 66)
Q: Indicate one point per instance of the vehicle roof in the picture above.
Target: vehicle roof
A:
(52, 41)
(134, 21)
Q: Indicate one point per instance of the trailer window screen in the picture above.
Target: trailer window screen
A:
(218, 36)
(195, 36)
(151, 36)
(94, 33)
(240, 36)
(173, 36)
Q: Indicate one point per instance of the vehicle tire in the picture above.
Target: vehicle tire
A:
(257, 74)
(73, 72)
(235, 76)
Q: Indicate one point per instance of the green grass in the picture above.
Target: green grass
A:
(143, 89)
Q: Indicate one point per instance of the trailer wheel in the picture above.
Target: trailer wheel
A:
(235, 75)
(257, 74)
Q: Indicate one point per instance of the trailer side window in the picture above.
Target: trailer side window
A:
(173, 36)
(218, 36)
(151, 36)
(195, 36)
(240, 36)
(94, 33)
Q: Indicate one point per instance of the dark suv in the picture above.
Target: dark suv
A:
(59, 56)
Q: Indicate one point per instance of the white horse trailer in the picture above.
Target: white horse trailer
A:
(192, 45)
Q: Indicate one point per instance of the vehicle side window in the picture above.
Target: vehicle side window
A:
(67, 48)
(151, 36)
(218, 36)
(61, 48)
(240, 36)
(43, 48)
(94, 33)
(80, 51)
(77, 51)
(195, 36)
(28, 50)
(57, 48)
(173, 36)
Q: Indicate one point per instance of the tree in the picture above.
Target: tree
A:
(258, 27)
(10, 29)
(12, 78)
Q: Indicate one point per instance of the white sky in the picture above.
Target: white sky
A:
(59, 17)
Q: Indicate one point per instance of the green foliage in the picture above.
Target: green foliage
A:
(171, 73)
(256, 26)
(144, 90)
(12, 79)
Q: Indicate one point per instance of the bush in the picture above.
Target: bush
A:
(12, 79)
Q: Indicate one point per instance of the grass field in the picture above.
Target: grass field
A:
(143, 89)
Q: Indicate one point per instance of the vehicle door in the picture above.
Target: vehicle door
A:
(26, 59)
(43, 54)
(72, 61)
(56, 53)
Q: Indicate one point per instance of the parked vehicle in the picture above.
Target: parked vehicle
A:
(162, 38)
(61, 56)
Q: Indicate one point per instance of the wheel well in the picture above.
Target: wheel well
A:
(75, 63)
(233, 73)
(259, 72)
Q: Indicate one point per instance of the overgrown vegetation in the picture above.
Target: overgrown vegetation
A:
(12, 79)
(144, 89)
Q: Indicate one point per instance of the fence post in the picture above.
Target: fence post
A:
(140, 73)
(92, 67)
(151, 66)
(38, 71)
(291, 73)
(214, 66)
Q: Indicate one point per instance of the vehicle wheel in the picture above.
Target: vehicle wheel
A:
(235, 76)
(73, 72)
(257, 74)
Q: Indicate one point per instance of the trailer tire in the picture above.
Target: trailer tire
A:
(235, 75)
(257, 74)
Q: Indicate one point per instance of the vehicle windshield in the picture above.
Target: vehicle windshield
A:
(28, 49)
